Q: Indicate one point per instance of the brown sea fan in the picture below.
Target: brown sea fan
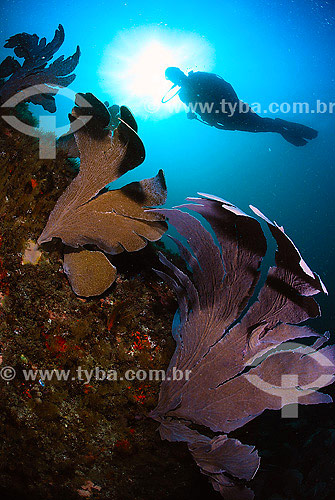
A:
(88, 213)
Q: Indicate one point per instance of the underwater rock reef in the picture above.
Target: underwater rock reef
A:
(58, 436)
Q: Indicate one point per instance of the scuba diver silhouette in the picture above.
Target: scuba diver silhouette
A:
(216, 102)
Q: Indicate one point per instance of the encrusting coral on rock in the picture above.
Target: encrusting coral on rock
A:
(89, 214)
(236, 370)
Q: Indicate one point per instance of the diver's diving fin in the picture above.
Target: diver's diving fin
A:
(296, 140)
(303, 130)
(295, 133)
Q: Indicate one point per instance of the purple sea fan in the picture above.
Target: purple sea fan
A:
(239, 366)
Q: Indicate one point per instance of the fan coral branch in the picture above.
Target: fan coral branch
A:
(237, 369)
(88, 213)
(34, 71)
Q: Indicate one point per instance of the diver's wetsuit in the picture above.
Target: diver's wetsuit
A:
(217, 103)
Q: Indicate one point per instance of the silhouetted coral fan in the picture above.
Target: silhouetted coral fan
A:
(238, 369)
(34, 70)
(111, 220)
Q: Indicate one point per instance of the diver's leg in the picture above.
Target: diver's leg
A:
(248, 122)
(251, 122)
(292, 132)
(283, 127)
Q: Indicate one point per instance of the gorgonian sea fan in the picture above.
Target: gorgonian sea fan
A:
(34, 70)
(90, 213)
(237, 367)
